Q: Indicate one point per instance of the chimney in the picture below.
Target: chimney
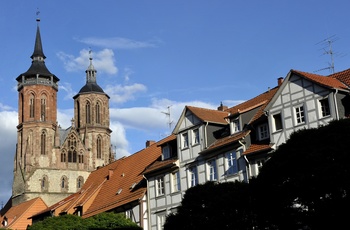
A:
(280, 81)
(222, 107)
(110, 173)
(149, 143)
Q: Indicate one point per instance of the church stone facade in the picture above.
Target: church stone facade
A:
(51, 162)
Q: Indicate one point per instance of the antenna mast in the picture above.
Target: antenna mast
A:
(168, 114)
(328, 50)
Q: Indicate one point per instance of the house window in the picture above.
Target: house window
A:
(213, 175)
(185, 140)
(99, 147)
(231, 163)
(43, 143)
(176, 181)
(160, 186)
(193, 176)
(161, 221)
(299, 114)
(324, 104)
(260, 163)
(31, 106)
(166, 152)
(263, 132)
(235, 127)
(277, 121)
(195, 136)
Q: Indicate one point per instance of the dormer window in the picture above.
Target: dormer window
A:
(166, 152)
(263, 132)
(235, 126)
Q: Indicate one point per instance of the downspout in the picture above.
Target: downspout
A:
(148, 205)
(247, 168)
(336, 105)
(205, 135)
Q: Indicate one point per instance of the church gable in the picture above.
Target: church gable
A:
(72, 149)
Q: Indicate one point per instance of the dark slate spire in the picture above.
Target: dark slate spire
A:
(37, 72)
(38, 48)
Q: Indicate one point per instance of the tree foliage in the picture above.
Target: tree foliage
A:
(213, 206)
(304, 185)
(102, 221)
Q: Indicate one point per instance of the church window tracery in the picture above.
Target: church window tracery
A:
(43, 143)
(98, 114)
(72, 146)
(88, 112)
(43, 108)
(99, 147)
(31, 105)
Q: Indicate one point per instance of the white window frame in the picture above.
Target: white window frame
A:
(193, 176)
(231, 163)
(184, 140)
(263, 132)
(235, 125)
(277, 122)
(176, 182)
(195, 137)
(212, 170)
(299, 112)
(325, 110)
(160, 190)
(161, 220)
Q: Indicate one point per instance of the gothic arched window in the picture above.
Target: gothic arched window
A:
(88, 112)
(31, 105)
(81, 157)
(63, 156)
(43, 108)
(98, 113)
(72, 146)
(44, 183)
(80, 182)
(43, 143)
(99, 147)
(64, 184)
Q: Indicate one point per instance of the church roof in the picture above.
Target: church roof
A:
(38, 66)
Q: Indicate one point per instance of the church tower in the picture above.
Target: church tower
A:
(91, 118)
(37, 118)
(51, 162)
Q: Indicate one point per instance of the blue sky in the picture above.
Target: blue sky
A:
(151, 55)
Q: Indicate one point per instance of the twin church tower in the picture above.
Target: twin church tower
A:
(52, 162)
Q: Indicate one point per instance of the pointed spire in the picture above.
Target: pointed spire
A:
(38, 48)
(90, 72)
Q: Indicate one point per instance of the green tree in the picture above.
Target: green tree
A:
(102, 221)
(214, 206)
(305, 184)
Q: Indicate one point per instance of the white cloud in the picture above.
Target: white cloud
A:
(103, 61)
(120, 94)
(67, 87)
(118, 43)
(8, 131)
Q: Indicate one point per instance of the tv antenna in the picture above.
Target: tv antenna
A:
(328, 50)
(168, 114)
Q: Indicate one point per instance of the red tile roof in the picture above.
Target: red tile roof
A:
(343, 76)
(17, 216)
(330, 82)
(257, 147)
(209, 115)
(158, 165)
(100, 191)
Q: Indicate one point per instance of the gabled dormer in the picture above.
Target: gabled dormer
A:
(196, 129)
